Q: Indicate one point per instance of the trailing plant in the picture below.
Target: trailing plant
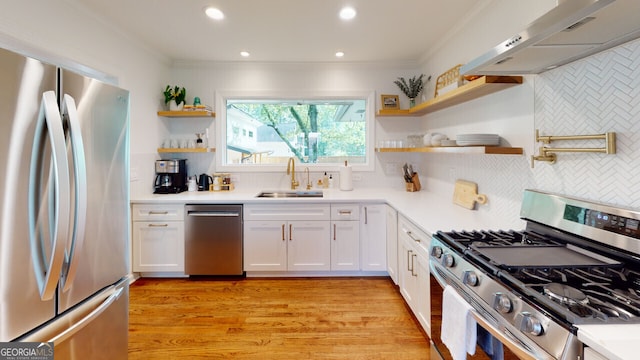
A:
(413, 88)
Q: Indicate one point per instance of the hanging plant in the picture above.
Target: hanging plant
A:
(413, 88)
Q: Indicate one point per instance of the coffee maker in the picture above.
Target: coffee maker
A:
(171, 176)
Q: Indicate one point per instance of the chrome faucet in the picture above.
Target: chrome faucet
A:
(291, 168)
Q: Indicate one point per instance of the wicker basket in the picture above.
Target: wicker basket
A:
(449, 77)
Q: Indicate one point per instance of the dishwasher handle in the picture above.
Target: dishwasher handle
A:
(213, 213)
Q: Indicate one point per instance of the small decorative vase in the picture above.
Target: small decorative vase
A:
(412, 102)
(173, 106)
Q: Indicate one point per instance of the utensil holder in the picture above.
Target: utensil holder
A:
(414, 185)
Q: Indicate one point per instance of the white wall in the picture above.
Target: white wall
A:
(205, 79)
(62, 31)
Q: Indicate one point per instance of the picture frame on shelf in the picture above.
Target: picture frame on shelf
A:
(390, 102)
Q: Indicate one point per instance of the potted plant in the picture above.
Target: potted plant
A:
(174, 96)
(412, 89)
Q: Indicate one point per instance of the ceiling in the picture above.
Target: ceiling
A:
(287, 30)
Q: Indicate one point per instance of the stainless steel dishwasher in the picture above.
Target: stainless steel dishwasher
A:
(213, 239)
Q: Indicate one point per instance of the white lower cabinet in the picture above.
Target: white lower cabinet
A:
(286, 245)
(308, 246)
(265, 246)
(373, 235)
(413, 270)
(345, 237)
(287, 237)
(423, 299)
(158, 238)
(340, 237)
(392, 243)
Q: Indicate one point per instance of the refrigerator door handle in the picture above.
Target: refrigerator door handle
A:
(80, 197)
(47, 271)
(80, 324)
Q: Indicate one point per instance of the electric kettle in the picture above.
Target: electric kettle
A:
(204, 181)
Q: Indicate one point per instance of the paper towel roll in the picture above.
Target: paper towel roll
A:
(346, 177)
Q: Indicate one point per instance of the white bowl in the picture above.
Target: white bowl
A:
(426, 139)
(436, 139)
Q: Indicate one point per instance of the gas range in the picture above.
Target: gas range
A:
(577, 262)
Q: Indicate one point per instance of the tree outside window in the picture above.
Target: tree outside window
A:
(314, 131)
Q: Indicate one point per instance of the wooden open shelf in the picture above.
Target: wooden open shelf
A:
(185, 150)
(472, 90)
(497, 150)
(193, 113)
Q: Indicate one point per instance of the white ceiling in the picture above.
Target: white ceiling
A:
(287, 30)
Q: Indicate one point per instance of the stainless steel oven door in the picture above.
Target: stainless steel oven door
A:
(503, 338)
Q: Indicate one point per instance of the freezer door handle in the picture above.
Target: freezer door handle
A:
(80, 187)
(49, 197)
(79, 325)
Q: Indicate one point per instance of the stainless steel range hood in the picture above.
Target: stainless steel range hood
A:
(572, 30)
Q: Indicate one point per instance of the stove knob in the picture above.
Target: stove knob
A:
(470, 278)
(448, 260)
(502, 303)
(437, 252)
(528, 323)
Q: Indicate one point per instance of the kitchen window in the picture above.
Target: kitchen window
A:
(321, 132)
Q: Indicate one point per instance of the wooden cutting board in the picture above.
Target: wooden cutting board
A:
(466, 194)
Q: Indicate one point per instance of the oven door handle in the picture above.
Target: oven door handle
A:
(507, 341)
(512, 343)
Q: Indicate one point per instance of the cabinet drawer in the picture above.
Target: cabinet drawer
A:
(158, 212)
(345, 212)
(409, 230)
(287, 212)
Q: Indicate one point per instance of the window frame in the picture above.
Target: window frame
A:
(221, 128)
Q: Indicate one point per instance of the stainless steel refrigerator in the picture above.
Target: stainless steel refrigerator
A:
(64, 210)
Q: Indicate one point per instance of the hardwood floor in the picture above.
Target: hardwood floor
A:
(302, 318)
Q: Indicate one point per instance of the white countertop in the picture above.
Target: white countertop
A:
(615, 342)
(431, 212)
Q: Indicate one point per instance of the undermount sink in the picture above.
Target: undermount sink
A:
(291, 194)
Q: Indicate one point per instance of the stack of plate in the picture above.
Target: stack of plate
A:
(478, 140)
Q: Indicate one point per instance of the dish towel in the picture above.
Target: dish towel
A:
(459, 332)
(490, 345)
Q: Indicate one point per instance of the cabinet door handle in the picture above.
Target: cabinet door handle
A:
(282, 232)
(413, 265)
(410, 234)
(290, 232)
(158, 213)
(366, 218)
(334, 232)
(344, 212)
(158, 225)
(409, 261)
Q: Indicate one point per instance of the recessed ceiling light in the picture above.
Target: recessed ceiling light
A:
(347, 13)
(244, 53)
(214, 13)
(339, 54)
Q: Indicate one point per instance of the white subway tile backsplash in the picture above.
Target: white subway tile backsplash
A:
(592, 96)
